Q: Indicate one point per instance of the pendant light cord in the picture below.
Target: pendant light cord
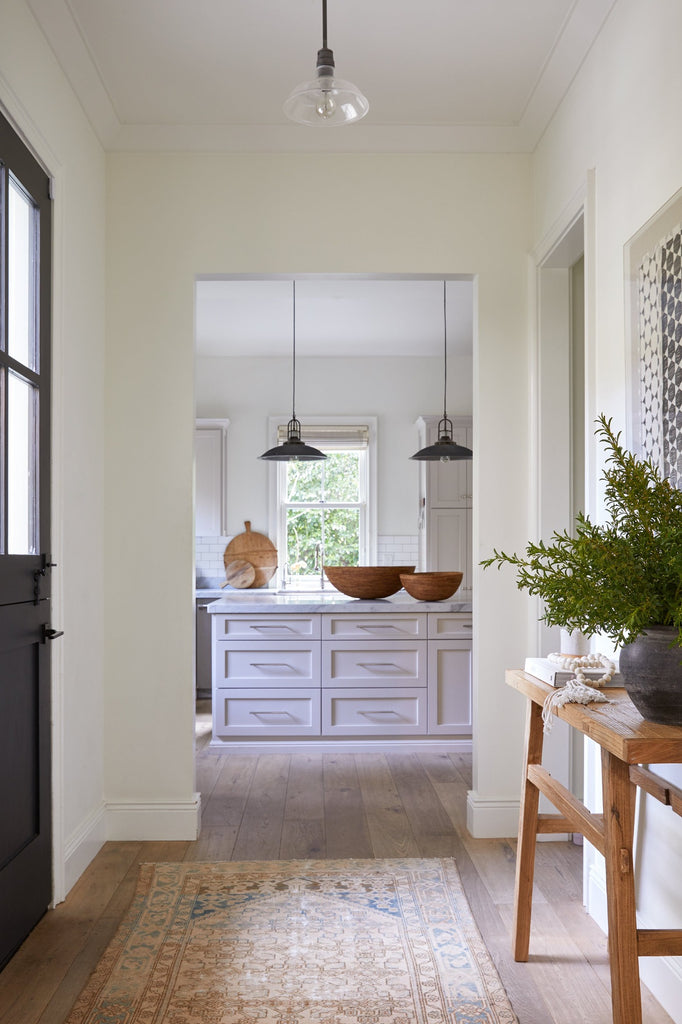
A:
(293, 386)
(445, 355)
(324, 24)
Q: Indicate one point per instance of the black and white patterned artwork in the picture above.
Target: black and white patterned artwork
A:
(659, 295)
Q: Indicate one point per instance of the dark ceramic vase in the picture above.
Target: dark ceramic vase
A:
(652, 675)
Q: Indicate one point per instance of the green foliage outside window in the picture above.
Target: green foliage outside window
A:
(314, 521)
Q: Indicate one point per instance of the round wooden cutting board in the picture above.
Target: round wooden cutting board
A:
(239, 574)
(258, 550)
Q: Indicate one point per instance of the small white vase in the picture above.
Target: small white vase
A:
(574, 643)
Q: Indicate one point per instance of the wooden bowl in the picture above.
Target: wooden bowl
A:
(367, 581)
(431, 586)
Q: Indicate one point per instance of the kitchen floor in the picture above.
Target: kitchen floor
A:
(328, 805)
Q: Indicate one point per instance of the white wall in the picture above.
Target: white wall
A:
(37, 98)
(173, 216)
(396, 391)
(622, 119)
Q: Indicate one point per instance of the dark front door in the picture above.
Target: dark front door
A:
(25, 806)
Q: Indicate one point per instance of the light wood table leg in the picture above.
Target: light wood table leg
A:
(620, 890)
(528, 827)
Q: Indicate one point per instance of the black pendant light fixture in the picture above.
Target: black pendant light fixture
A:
(293, 449)
(445, 449)
(325, 101)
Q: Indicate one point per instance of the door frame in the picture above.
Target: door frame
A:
(28, 131)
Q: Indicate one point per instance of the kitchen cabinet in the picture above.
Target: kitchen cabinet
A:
(445, 501)
(210, 478)
(202, 648)
(339, 672)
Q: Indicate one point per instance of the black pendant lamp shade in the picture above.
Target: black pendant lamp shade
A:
(445, 449)
(293, 449)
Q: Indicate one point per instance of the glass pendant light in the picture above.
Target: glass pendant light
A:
(445, 448)
(326, 101)
(293, 449)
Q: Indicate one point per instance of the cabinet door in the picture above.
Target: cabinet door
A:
(266, 713)
(377, 663)
(239, 663)
(374, 712)
(449, 688)
(449, 546)
(210, 471)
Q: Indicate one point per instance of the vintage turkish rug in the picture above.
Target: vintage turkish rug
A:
(297, 942)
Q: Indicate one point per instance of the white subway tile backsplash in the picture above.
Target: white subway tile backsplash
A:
(392, 549)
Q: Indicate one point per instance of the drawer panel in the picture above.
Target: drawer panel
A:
(374, 712)
(239, 663)
(450, 689)
(266, 627)
(374, 664)
(266, 713)
(455, 626)
(374, 626)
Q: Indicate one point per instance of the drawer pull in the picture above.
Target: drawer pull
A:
(385, 665)
(260, 627)
(280, 714)
(263, 666)
(379, 711)
(376, 625)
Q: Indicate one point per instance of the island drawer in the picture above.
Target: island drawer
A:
(453, 626)
(266, 627)
(377, 663)
(258, 713)
(376, 712)
(374, 626)
(240, 663)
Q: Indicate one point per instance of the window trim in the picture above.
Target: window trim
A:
(310, 422)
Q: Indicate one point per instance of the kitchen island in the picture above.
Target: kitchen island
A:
(324, 670)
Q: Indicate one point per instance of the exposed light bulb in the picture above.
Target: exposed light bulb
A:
(326, 105)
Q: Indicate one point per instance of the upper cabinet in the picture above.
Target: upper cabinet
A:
(210, 478)
(445, 505)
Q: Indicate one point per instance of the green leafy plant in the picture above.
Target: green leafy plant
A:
(620, 578)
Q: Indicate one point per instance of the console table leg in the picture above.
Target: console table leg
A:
(528, 827)
(620, 890)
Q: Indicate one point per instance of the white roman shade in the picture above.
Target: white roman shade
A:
(343, 436)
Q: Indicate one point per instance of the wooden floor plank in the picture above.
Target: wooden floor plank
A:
(260, 834)
(346, 830)
(388, 824)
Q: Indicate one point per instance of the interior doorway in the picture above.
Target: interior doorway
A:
(561, 434)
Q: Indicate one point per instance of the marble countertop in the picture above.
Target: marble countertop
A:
(322, 601)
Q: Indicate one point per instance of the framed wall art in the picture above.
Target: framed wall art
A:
(653, 285)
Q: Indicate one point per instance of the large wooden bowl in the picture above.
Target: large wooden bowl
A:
(367, 581)
(431, 586)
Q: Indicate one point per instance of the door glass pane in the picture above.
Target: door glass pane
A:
(21, 296)
(21, 467)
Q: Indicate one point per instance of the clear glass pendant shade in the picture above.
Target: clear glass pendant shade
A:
(325, 102)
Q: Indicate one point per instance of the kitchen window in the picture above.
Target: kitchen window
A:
(326, 509)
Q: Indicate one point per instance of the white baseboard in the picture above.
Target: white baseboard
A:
(360, 746)
(128, 820)
(492, 819)
(82, 846)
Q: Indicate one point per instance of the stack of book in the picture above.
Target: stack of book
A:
(553, 674)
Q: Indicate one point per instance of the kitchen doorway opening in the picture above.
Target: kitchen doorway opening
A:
(366, 346)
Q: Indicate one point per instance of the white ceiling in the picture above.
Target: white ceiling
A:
(211, 75)
(335, 316)
(440, 75)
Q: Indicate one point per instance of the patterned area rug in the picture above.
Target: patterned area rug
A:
(297, 942)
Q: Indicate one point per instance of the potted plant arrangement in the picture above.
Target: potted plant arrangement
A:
(622, 579)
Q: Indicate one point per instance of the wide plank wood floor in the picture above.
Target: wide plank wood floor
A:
(330, 805)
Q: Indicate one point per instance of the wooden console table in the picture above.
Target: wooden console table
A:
(627, 742)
